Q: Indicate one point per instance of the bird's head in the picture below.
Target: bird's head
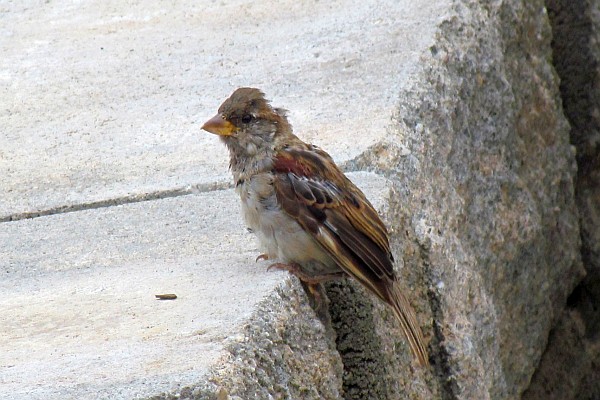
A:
(248, 124)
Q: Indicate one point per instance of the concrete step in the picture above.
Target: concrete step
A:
(79, 317)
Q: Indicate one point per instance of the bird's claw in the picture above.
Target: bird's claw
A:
(261, 257)
(293, 269)
(296, 270)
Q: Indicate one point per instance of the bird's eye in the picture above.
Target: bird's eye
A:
(246, 118)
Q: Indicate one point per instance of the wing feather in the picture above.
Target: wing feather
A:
(339, 207)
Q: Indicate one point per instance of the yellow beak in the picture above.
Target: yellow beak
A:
(219, 126)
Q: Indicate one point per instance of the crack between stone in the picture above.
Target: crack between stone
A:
(135, 198)
(117, 201)
(443, 372)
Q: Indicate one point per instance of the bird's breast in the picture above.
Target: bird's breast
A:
(280, 236)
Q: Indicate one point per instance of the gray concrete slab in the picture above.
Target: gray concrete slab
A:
(78, 316)
(78, 313)
(103, 100)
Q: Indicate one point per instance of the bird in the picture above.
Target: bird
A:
(305, 212)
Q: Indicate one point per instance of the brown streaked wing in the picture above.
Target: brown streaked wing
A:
(348, 227)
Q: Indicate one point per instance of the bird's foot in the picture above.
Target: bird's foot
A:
(311, 282)
(296, 270)
(315, 291)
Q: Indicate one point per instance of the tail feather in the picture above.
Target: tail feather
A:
(408, 323)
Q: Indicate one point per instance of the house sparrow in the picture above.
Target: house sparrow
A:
(306, 213)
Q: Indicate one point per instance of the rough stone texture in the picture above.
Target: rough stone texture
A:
(576, 47)
(482, 165)
(571, 366)
(377, 361)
